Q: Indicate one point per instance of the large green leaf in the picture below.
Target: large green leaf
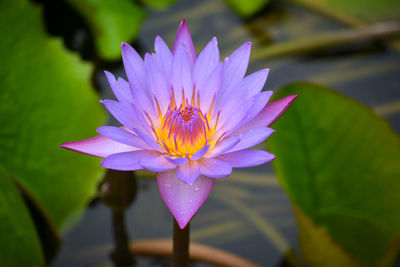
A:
(19, 244)
(46, 99)
(111, 22)
(339, 163)
(247, 8)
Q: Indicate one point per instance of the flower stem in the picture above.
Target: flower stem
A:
(180, 254)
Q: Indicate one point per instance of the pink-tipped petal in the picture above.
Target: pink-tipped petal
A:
(126, 161)
(253, 137)
(121, 135)
(270, 113)
(183, 36)
(189, 172)
(183, 200)
(98, 146)
(200, 153)
(156, 164)
(181, 75)
(215, 168)
(253, 158)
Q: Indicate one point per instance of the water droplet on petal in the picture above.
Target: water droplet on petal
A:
(196, 189)
(167, 185)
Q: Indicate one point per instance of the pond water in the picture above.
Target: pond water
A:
(248, 214)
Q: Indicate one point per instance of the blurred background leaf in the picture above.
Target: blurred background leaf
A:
(158, 4)
(19, 245)
(246, 8)
(339, 163)
(111, 22)
(46, 99)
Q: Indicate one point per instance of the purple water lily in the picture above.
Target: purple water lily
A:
(188, 117)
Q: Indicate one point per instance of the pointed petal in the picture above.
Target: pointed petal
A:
(200, 153)
(134, 66)
(189, 172)
(183, 36)
(223, 146)
(177, 161)
(120, 88)
(126, 161)
(247, 158)
(235, 67)
(207, 61)
(215, 168)
(123, 136)
(98, 146)
(181, 75)
(183, 200)
(120, 112)
(254, 83)
(163, 56)
(253, 137)
(157, 164)
(270, 113)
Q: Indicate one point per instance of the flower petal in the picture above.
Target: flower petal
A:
(207, 61)
(156, 164)
(181, 75)
(214, 168)
(121, 135)
(270, 113)
(235, 67)
(183, 200)
(252, 137)
(126, 161)
(177, 161)
(163, 56)
(134, 67)
(183, 36)
(223, 146)
(98, 146)
(189, 172)
(208, 88)
(200, 153)
(120, 112)
(153, 144)
(120, 88)
(247, 158)
(254, 83)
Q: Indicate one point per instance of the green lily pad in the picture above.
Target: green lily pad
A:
(19, 245)
(246, 8)
(111, 22)
(339, 163)
(46, 99)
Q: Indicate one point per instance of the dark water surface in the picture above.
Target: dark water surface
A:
(247, 214)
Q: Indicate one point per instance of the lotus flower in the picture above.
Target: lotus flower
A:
(188, 117)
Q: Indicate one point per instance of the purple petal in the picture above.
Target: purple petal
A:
(177, 161)
(214, 168)
(208, 88)
(252, 138)
(98, 146)
(134, 66)
(254, 83)
(183, 200)
(123, 136)
(158, 83)
(235, 67)
(260, 100)
(153, 144)
(270, 113)
(181, 75)
(120, 112)
(183, 36)
(200, 153)
(127, 161)
(223, 146)
(247, 158)
(189, 172)
(207, 61)
(156, 164)
(120, 88)
(163, 56)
